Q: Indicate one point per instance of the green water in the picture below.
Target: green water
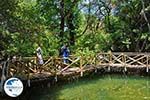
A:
(107, 87)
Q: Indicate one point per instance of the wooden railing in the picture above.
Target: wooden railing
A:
(26, 66)
(126, 59)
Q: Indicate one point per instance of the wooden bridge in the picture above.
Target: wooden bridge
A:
(26, 68)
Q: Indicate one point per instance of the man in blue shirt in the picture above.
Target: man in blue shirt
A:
(65, 53)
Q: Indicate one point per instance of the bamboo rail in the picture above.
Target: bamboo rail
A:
(27, 68)
(126, 59)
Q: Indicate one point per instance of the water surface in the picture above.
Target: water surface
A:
(106, 87)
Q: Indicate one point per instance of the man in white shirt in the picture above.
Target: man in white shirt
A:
(39, 58)
(39, 55)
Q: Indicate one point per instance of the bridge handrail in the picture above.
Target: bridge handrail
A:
(127, 58)
(28, 65)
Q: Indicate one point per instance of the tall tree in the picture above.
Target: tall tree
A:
(7, 21)
(62, 18)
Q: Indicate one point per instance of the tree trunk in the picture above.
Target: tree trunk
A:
(71, 29)
(62, 20)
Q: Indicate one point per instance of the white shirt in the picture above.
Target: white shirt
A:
(39, 55)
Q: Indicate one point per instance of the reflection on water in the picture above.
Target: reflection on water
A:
(107, 87)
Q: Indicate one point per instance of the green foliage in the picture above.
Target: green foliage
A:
(50, 44)
(129, 27)
(95, 41)
(89, 27)
(25, 46)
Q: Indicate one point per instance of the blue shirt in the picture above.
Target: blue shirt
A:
(65, 51)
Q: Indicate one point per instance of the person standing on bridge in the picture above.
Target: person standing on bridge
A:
(65, 53)
(39, 56)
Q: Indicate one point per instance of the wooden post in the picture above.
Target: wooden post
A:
(110, 60)
(110, 57)
(99, 56)
(81, 66)
(7, 68)
(147, 68)
(95, 63)
(124, 61)
(54, 62)
(28, 77)
(35, 62)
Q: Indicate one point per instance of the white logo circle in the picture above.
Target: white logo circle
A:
(13, 87)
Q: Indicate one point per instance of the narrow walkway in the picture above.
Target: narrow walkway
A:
(26, 68)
